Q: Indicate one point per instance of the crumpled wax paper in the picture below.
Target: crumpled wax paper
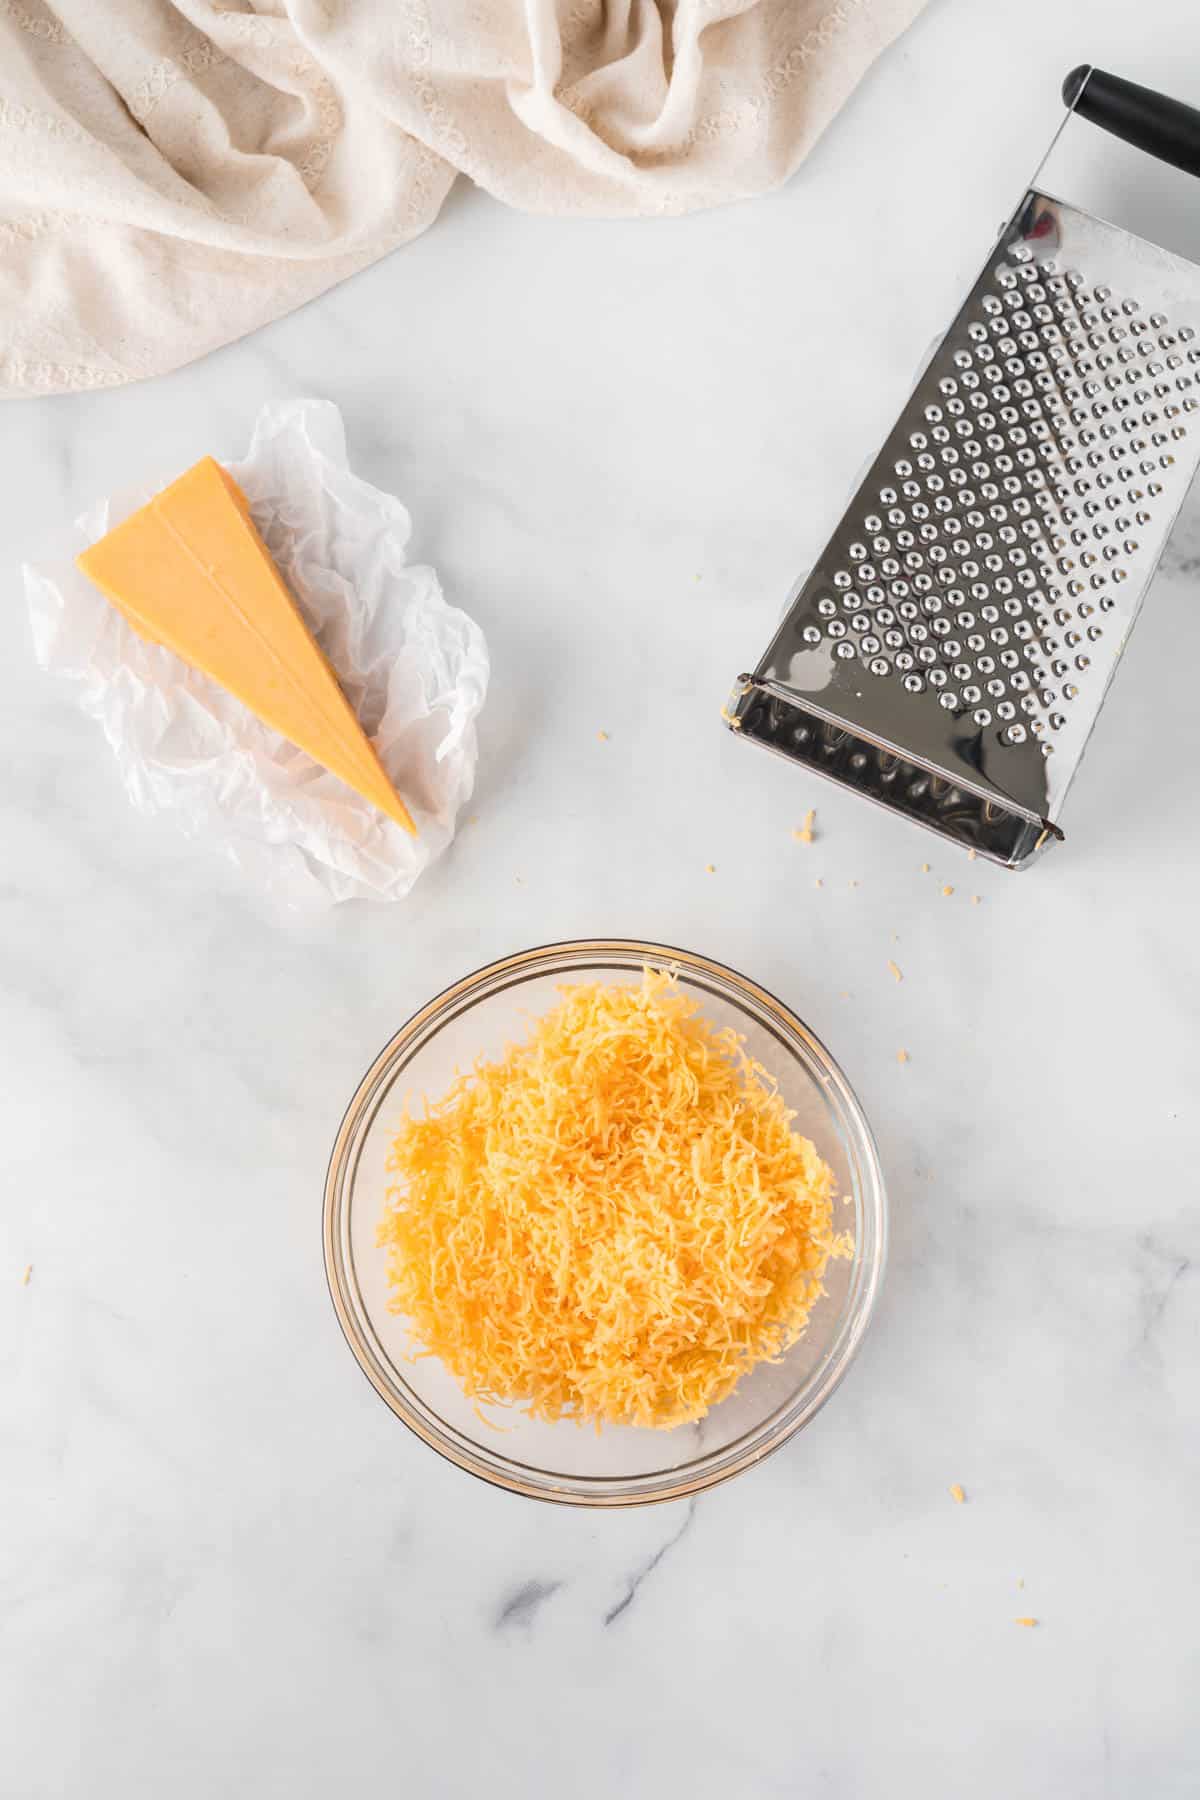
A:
(414, 669)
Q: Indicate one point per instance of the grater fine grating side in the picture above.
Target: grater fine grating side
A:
(950, 650)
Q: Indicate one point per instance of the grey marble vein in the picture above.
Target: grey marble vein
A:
(522, 1606)
(634, 1584)
(1170, 1268)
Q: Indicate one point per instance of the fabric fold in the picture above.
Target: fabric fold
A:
(175, 173)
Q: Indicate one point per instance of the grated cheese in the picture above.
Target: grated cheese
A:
(957, 1494)
(613, 1222)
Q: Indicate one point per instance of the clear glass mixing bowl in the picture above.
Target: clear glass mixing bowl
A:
(627, 1465)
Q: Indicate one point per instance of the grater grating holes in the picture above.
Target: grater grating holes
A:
(1061, 402)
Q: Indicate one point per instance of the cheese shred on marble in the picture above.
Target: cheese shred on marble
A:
(614, 1221)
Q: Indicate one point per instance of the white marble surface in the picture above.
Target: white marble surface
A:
(224, 1567)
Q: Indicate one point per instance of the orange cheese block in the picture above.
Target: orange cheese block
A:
(191, 572)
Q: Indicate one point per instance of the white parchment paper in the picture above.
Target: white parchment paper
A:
(414, 669)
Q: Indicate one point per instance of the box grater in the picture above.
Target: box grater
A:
(950, 650)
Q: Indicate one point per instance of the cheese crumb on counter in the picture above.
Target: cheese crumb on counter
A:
(947, 891)
(902, 1056)
(710, 868)
(971, 855)
(803, 834)
(924, 868)
(957, 1494)
(603, 736)
(1028, 1623)
(895, 971)
(614, 1221)
(28, 1275)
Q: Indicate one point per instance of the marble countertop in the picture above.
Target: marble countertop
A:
(225, 1567)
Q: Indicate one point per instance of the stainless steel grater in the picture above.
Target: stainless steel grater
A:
(950, 650)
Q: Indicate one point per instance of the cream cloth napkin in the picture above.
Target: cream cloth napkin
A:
(174, 173)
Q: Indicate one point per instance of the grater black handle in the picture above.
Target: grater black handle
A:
(1164, 128)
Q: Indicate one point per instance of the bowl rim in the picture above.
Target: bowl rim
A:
(606, 1491)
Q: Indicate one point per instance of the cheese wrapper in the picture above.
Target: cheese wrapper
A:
(413, 669)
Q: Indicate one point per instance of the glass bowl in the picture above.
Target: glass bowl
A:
(567, 1462)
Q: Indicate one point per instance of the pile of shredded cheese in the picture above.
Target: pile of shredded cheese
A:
(614, 1221)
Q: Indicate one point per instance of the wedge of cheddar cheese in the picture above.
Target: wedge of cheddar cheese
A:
(190, 571)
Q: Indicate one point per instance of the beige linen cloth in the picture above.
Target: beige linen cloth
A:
(174, 173)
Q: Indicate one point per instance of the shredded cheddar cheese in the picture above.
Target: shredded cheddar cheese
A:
(614, 1221)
